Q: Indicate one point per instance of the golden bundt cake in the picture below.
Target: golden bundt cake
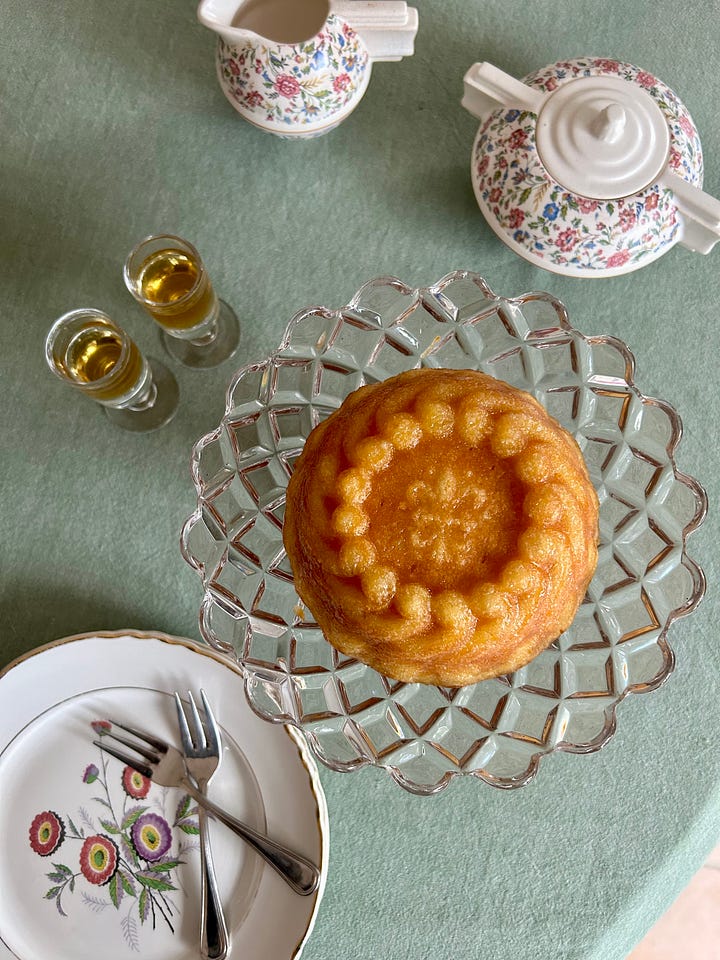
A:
(441, 527)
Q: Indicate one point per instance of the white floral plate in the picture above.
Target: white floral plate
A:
(97, 861)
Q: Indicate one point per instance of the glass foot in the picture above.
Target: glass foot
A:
(161, 412)
(203, 356)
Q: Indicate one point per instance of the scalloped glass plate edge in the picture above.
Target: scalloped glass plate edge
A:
(437, 302)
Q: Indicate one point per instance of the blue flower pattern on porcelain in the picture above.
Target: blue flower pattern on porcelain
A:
(304, 88)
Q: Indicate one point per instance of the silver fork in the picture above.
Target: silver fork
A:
(164, 764)
(201, 747)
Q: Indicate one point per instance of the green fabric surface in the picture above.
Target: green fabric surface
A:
(114, 127)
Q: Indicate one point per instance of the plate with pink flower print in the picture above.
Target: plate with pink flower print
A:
(97, 859)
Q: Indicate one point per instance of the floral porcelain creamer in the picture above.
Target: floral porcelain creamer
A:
(588, 167)
(298, 68)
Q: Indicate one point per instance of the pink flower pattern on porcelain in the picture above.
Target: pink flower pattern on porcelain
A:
(289, 87)
(124, 850)
(561, 228)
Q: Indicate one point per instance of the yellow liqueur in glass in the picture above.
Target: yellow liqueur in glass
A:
(167, 277)
(91, 357)
(90, 352)
(176, 289)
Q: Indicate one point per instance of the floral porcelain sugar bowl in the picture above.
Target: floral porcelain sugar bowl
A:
(588, 167)
(298, 68)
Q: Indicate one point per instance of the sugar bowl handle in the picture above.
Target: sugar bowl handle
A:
(699, 213)
(486, 88)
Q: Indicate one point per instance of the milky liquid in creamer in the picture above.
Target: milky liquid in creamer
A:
(282, 21)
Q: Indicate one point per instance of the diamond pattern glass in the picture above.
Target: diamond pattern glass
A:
(497, 730)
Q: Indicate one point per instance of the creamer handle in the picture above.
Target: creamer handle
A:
(386, 27)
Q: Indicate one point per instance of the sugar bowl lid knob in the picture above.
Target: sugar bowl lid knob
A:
(610, 122)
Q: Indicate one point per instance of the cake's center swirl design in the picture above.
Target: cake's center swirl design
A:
(442, 510)
(459, 524)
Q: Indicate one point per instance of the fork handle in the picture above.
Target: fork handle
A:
(302, 875)
(214, 939)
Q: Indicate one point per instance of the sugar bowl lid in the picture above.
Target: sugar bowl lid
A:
(588, 167)
(602, 137)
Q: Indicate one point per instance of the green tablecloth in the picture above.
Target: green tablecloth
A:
(113, 127)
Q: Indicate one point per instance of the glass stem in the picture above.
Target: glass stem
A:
(208, 337)
(146, 399)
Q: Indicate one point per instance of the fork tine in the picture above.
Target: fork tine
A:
(142, 768)
(183, 724)
(140, 748)
(212, 733)
(199, 732)
(156, 744)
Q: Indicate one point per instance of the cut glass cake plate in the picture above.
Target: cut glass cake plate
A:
(497, 730)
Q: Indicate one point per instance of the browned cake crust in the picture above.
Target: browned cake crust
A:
(441, 527)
